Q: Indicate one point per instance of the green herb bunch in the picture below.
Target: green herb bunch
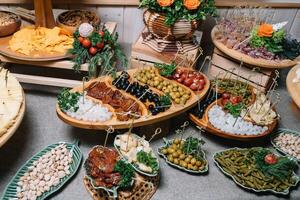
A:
(148, 160)
(193, 146)
(166, 69)
(165, 100)
(126, 171)
(107, 57)
(178, 11)
(234, 110)
(280, 170)
(68, 100)
(273, 44)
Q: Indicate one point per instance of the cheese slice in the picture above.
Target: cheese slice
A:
(11, 98)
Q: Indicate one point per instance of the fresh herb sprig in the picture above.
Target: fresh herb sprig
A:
(126, 171)
(234, 110)
(193, 146)
(147, 159)
(280, 170)
(106, 58)
(68, 100)
(166, 69)
(272, 44)
(165, 100)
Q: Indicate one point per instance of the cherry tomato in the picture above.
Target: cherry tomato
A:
(200, 76)
(176, 76)
(202, 81)
(226, 95)
(184, 75)
(225, 101)
(200, 86)
(100, 45)
(271, 159)
(86, 43)
(93, 50)
(191, 75)
(188, 82)
(101, 33)
(194, 86)
(235, 100)
(80, 39)
(179, 80)
(195, 80)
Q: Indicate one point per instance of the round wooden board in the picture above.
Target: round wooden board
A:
(174, 110)
(204, 123)
(35, 56)
(5, 137)
(248, 59)
(293, 88)
(143, 189)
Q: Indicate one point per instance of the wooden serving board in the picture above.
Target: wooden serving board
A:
(34, 56)
(145, 119)
(248, 59)
(143, 189)
(293, 88)
(204, 123)
(5, 137)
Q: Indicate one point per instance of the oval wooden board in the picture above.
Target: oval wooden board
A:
(146, 119)
(248, 59)
(293, 88)
(5, 137)
(204, 123)
(35, 56)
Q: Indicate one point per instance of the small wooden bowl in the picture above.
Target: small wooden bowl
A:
(12, 27)
(72, 29)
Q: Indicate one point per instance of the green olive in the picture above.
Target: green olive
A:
(177, 100)
(176, 141)
(189, 166)
(187, 160)
(193, 161)
(176, 161)
(170, 150)
(198, 163)
(184, 164)
(181, 156)
(164, 151)
(175, 155)
(170, 158)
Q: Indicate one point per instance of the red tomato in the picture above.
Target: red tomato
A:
(271, 159)
(86, 43)
(235, 100)
(176, 76)
(200, 76)
(194, 86)
(191, 75)
(100, 45)
(195, 80)
(101, 33)
(184, 75)
(202, 81)
(200, 86)
(179, 80)
(225, 95)
(93, 50)
(225, 101)
(188, 82)
(80, 39)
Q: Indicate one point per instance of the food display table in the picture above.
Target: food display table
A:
(41, 127)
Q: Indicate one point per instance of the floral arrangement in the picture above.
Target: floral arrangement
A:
(174, 10)
(97, 48)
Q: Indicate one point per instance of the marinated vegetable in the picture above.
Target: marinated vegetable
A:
(258, 169)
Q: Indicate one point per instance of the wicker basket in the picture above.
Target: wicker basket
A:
(181, 30)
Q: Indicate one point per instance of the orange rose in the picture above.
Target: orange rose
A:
(191, 4)
(165, 3)
(265, 30)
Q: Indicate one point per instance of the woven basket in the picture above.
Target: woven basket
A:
(181, 30)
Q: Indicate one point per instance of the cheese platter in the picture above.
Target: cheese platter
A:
(142, 95)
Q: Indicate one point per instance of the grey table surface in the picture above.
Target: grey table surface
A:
(42, 127)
